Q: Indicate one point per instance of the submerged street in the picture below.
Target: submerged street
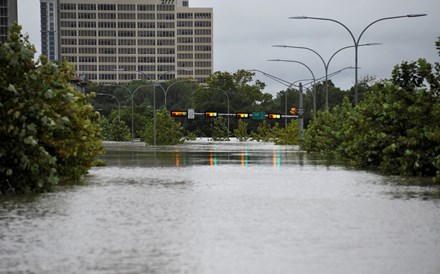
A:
(223, 207)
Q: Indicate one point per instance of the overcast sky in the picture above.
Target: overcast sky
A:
(246, 30)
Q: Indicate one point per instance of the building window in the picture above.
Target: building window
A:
(127, 16)
(107, 16)
(86, 6)
(146, 7)
(106, 7)
(126, 7)
(146, 16)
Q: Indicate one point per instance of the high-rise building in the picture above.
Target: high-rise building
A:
(115, 41)
(8, 15)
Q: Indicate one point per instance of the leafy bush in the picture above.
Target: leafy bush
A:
(395, 128)
(114, 129)
(241, 131)
(288, 135)
(219, 130)
(48, 130)
(168, 131)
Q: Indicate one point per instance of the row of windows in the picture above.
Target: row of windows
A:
(141, 16)
(143, 51)
(124, 42)
(125, 7)
(143, 60)
(132, 25)
(122, 59)
(120, 33)
(190, 56)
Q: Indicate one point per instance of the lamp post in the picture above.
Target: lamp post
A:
(155, 84)
(227, 97)
(326, 64)
(356, 41)
(313, 76)
(114, 97)
(168, 88)
(132, 93)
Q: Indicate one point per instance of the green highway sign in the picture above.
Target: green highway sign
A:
(259, 115)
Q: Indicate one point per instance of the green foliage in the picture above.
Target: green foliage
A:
(241, 132)
(326, 133)
(190, 136)
(265, 132)
(288, 135)
(168, 131)
(395, 128)
(48, 131)
(219, 130)
(114, 129)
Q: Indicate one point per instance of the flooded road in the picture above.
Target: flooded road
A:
(222, 208)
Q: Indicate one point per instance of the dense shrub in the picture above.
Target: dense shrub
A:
(168, 131)
(395, 128)
(48, 130)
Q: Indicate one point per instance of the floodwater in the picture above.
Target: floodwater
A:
(223, 208)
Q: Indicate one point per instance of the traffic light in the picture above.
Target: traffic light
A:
(293, 111)
(273, 116)
(242, 115)
(179, 114)
(211, 114)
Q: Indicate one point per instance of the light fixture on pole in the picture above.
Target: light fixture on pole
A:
(356, 41)
(326, 64)
(313, 76)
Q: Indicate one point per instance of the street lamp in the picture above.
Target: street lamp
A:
(168, 88)
(132, 93)
(290, 84)
(155, 84)
(326, 64)
(313, 76)
(356, 41)
(114, 97)
(227, 97)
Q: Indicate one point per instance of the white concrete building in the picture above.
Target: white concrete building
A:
(116, 41)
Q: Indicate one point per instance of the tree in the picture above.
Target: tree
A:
(114, 129)
(288, 135)
(219, 130)
(241, 132)
(169, 132)
(48, 130)
(396, 127)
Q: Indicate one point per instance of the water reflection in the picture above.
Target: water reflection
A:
(233, 207)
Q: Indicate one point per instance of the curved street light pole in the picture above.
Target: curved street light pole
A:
(168, 88)
(356, 41)
(313, 76)
(155, 84)
(227, 97)
(326, 64)
(119, 104)
(132, 93)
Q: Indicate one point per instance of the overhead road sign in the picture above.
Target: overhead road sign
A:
(258, 115)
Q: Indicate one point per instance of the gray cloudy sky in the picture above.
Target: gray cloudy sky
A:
(245, 30)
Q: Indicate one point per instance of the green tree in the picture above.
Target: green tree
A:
(396, 127)
(241, 132)
(219, 130)
(288, 135)
(48, 130)
(168, 131)
(265, 132)
(114, 129)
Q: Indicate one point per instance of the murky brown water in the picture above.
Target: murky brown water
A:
(222, 208)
